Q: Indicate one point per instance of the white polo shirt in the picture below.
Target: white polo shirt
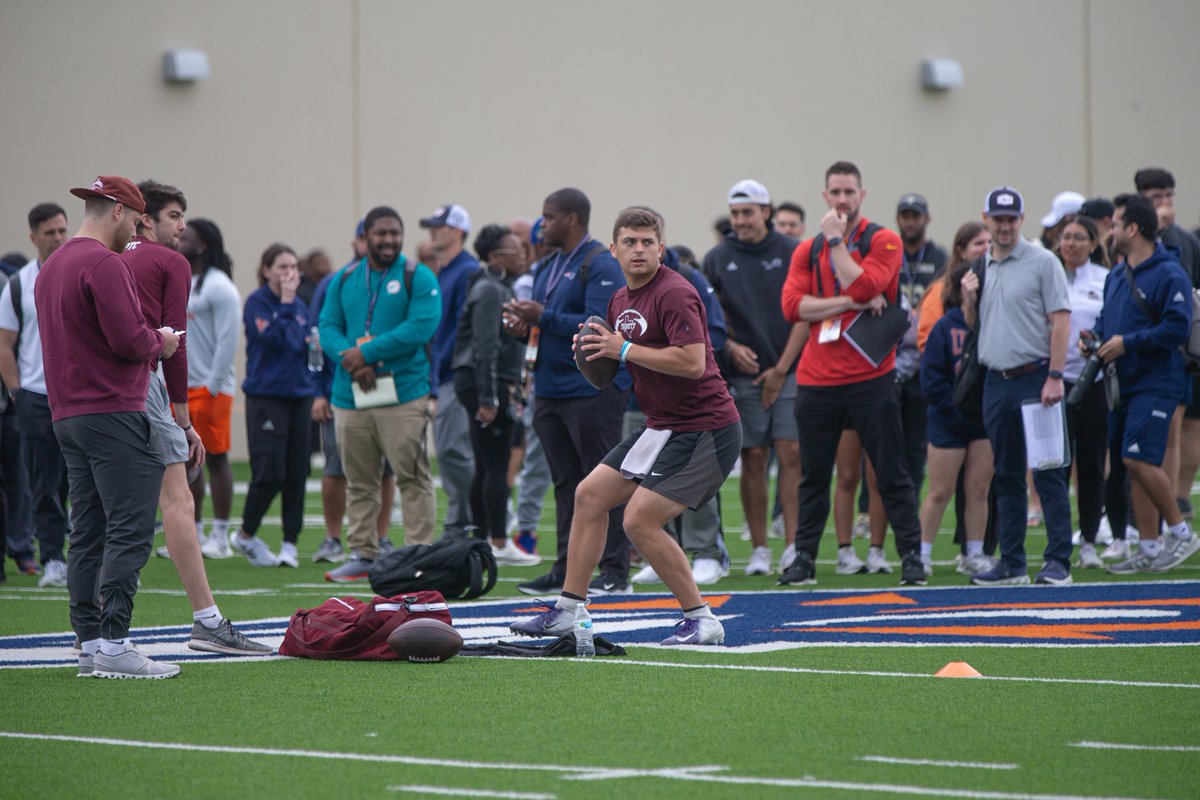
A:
(1085, 288)
(29, 347)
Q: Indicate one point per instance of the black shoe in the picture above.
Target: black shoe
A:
(912, 571)
(609, 583)
(802, 572)
(550, 583)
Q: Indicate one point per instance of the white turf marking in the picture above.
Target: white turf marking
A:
(700, 774)
(926, 762)
(449, 792)
(1161, 748)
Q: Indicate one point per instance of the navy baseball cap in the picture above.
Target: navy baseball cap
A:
(1004, 201)
(1098, 208)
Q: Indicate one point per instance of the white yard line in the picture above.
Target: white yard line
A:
(1159, 748)
(451, 792)
(928, 762)
(700, 774)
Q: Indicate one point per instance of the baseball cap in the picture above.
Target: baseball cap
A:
(1004, 201)
(1097, 208)
(536, 234)
(1064, 203)
(749, 191)
(361, 230)
(115, 188)
(453, 215)
(913, 202)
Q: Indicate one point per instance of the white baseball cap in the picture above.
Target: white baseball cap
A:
(453, 215)
(1064, 203)
(749, 191)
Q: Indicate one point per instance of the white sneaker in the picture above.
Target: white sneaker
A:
(131, 664)
(696, 630)
(776, 530)
(288, 557)
(162, 552)
(646, 575)
(1117, 551)
(787, 557)
(254, 549)
(927, 565)
(1175, 550)
(707, 571)
(974, 565)
(760, 562)
(216, 546)
(1104, 534)
(1076, 538)
(1140, 561)
(1088, 557)
(848, 562)
(1132, 535)
(54, 574)
(877, 562)
(512, 556)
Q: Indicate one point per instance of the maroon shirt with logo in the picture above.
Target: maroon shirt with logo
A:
(667, 312)
(164, 280)
(95, 341)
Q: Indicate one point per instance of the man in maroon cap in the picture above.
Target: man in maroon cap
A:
(96, 348)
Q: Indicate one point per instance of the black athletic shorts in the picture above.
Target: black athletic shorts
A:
(691, 466)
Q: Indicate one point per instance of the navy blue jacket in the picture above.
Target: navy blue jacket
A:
(452, 282)
(939, 364)
(1153, 362)
(566, 307)
(276, 346)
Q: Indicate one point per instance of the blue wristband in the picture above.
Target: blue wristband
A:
(625, 349)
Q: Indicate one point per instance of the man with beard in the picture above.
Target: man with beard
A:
(376, 321)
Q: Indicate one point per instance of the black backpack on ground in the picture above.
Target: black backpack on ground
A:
(458, 568)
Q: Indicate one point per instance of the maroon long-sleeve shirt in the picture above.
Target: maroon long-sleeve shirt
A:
(95, 340)
(163, 279)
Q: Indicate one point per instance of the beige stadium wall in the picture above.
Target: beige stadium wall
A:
(319, 109)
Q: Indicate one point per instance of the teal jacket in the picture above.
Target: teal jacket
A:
(400, 326)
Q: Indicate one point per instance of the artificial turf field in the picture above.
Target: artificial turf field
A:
(1087, 691)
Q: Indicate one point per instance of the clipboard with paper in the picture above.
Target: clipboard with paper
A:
(1046, 444)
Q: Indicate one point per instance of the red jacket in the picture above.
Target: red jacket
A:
(838, 363)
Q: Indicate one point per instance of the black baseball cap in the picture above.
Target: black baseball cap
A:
(1004, 201)
(1097, 208)
(913, 202)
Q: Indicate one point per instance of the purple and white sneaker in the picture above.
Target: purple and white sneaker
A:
(696, 630)
(554, 621)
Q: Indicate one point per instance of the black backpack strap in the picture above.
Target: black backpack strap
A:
(1138, 296)
(587, 263)
(14, 294)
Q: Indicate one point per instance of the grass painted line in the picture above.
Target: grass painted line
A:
(927, 762)
(872, 673)
(1158, 748)
(699, 774)
(450, 792)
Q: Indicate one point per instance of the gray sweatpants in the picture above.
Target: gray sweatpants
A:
(455, 458)
(113, 477)
(534, 479)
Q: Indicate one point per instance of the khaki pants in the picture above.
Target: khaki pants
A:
(365, 437)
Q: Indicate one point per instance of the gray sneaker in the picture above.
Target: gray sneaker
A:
(87, 665)
(356, 570)
(1140, 561)
(225, 639)
(1175, 550)
(330, 551)
(254, 549)
(131, 664)
(54, 573)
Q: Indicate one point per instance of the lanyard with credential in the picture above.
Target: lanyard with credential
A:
(837, 284)
(373, 297)
(910, 280)
(556, 271)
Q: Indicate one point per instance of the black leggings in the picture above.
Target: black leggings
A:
(493, 447)
(1087, 428)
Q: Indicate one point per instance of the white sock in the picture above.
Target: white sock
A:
(220, 527)
(568, 603)
(874, 549)
(926, 549)
(1151, 547)
(208, 617)
(90, 647)
(974, 548)
(113, 647)
(1182, 530)
(697, 613)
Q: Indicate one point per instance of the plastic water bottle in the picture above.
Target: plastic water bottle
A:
(316, 356)
(585, 645)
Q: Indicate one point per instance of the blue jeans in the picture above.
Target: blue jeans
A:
(1002, 399)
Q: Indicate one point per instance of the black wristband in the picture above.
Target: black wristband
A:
(1056, 374)
(834, 241)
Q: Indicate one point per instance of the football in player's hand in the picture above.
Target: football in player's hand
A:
(425, 641)
(601, 372)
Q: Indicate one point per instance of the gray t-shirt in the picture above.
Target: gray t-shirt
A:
(1019, 294)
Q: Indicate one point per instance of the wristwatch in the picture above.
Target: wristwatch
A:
(834, 241)
(1056, 374)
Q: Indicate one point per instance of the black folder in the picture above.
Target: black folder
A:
(875, 337)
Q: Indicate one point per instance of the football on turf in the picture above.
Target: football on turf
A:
(425, 641)
(601, 372)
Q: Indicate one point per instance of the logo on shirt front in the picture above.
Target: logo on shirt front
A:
(131, 246)
(774, 263)
(629, 320)
(731, 266)
(261, 324)
(393, 287)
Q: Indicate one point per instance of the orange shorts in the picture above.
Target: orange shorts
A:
(211, 417)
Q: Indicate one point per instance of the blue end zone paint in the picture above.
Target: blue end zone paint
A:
(1152, 613)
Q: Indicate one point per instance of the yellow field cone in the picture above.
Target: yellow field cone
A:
(957, 669)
